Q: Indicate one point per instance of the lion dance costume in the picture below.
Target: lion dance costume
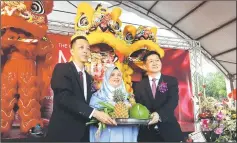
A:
(26, 59)
(103, 31)
(101, 28)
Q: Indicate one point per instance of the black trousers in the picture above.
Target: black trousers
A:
(149, 134)
(165, 132)
(86, 137)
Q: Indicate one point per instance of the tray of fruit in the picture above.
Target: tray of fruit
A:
(125, 112)
(131, 121)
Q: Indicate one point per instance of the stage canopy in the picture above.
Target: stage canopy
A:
(213, 23)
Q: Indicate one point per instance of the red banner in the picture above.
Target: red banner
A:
(175, 63)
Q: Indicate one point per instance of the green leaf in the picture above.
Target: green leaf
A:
(109, 110)
(105, 110)
(111, 113)
(93, 121)
(103, 126)
(107, 105)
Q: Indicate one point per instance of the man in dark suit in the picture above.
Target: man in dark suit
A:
(159, 93)
(71, 85)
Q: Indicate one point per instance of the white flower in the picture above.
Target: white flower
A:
(227, 118)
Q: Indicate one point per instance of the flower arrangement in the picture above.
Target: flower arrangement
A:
(218, 119)
(162, 87)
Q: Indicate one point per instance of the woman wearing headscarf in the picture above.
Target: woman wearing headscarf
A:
(112, 81)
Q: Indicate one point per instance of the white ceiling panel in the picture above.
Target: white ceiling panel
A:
(145, 4)
(231, 56)
(211, 15)
(174, 10)
(95, 3)
(60, 16)
(230, 67)
(221, 40)
(64, 6)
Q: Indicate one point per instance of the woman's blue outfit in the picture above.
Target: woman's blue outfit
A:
(119, 133)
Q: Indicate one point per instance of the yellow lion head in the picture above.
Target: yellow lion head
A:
(140, 40)
(100, 26)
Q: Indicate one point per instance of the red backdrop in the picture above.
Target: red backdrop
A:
(175, 63)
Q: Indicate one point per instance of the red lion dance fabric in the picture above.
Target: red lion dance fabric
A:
(26, 56)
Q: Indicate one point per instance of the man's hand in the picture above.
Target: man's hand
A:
(104, 118)
(155, 118)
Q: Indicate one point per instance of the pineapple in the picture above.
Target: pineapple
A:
(120, 108)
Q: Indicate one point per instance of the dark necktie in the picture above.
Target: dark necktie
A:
(153, 88)
(81, 79)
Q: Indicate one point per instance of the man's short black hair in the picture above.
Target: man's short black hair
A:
(76, 38)
(150, 53)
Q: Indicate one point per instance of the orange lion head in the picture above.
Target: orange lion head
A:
(24, 21)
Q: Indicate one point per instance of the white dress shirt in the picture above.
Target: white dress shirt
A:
(157, 79)
(84, 83)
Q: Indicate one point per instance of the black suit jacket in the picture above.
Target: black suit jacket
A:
(70, 109)
(164, 104)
